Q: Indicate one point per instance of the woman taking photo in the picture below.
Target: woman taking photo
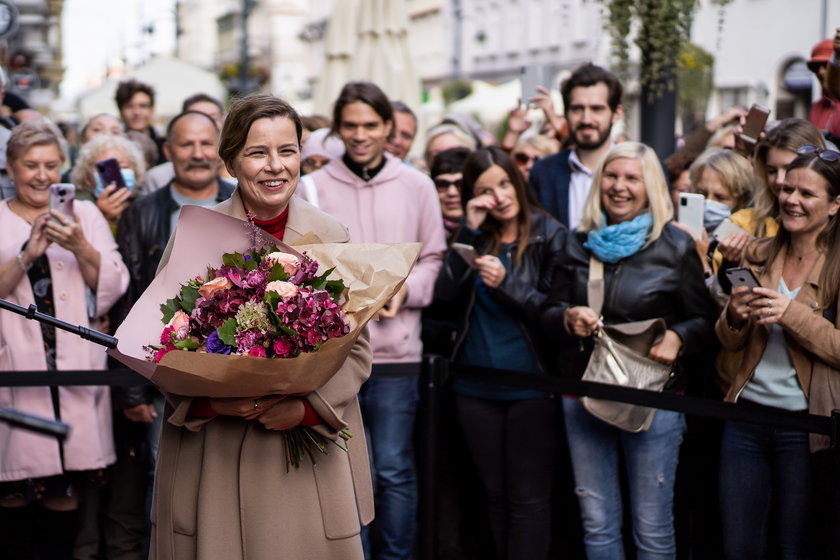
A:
(69, 267)
(650, 270)
(221, 487)
(510, 432)
(786, 329)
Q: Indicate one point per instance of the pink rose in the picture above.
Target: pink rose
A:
(257, 352)
(180, 324)
(283, 289)
(215, 285)
(290, 263)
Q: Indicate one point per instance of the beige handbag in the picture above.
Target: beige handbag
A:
(620, 358)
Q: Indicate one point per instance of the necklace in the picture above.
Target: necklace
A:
(21, 211)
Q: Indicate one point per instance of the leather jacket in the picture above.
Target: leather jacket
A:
(663, 279)
(524, 288)
(142, 234)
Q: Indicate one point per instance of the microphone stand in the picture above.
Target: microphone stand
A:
(38, 423)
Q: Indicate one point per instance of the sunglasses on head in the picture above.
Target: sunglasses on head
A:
(444, 184)
(523, 159)
(828, 156)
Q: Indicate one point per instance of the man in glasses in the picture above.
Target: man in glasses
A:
(592, 101)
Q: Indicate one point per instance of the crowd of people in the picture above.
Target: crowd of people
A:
(515, 232)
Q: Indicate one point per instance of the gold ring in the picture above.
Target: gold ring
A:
(256, 404)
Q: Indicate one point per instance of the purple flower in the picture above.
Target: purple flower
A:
(216, 346)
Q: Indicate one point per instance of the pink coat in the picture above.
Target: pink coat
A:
(86, 409)
(399, 205)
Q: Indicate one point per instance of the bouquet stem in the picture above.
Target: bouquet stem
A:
(303, 441)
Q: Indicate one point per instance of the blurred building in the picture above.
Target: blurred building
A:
(32, 56)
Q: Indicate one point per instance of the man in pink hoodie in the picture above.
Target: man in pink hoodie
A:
(382, 200)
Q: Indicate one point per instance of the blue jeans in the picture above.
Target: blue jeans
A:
(764, 469)
(389, 406)
(650, 458)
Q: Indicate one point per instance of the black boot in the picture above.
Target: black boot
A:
(17, 532)
(57, 534)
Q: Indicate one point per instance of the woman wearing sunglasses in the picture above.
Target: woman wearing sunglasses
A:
(788, 331)
(531, 149)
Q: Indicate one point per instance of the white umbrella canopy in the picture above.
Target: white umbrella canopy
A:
(382, 52)
(339, 48)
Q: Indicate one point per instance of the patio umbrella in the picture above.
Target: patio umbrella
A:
(339, 47)
(382, 52)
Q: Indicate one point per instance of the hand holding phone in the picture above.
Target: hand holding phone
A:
(742, 276)
(466, 252)
(62, 196)
(109, 172)
(747, 138)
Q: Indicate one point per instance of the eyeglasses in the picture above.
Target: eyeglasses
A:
(523, 158)
(828, 156)
(444, 184)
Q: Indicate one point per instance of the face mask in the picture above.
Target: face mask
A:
(714, 213)
(127, 176)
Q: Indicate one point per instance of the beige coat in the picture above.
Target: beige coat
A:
(221, 489)
(813, 343)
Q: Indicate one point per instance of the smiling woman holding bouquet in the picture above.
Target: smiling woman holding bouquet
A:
(222, 487)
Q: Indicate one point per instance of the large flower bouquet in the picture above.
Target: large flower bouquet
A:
(262, 303)
(257, 317)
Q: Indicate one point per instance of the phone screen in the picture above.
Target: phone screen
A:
(466, 252)
(109, 172)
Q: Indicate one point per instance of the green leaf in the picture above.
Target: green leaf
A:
(277, 273)
(227, 332)
(335, 289)
(169, 309)
(288, 331)
(320, 282)
(187, 344)
(188, 296)
(236, 260)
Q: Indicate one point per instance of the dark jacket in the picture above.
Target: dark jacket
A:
(549, 179)
(142, 234)
(524, 289)
(663, 279)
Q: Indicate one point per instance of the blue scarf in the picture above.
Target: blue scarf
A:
(610, 244)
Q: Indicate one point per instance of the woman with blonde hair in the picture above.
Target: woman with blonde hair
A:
(111, 200)
(650, 270)
(532, 148)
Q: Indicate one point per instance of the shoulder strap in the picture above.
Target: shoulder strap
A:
(595, 286)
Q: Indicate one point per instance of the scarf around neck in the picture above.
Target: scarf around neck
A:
(612, 243)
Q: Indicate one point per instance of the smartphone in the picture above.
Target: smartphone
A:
(725, 229)
(742, 276)
(690, 212)
(61, 199)
(531, 77)
(754, 123)
(467, 252)
(109, 172)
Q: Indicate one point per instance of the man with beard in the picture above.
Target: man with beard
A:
(142, 233)
(592, 101)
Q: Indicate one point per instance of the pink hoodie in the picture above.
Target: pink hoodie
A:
(399, 205)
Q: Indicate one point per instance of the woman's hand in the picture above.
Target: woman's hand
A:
(244, 407)
(518, 121)
(667, 349)
(66, 232)
(543, 101)
(739, 308)
(768, 306)
(581, 320)
(283, 415)
(394, 304)
(113, 201)
(491, 270)
(477, 209)
(144, 413)
(732, 247)
(38, 241)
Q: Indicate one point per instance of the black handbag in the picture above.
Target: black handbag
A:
(620, 358)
